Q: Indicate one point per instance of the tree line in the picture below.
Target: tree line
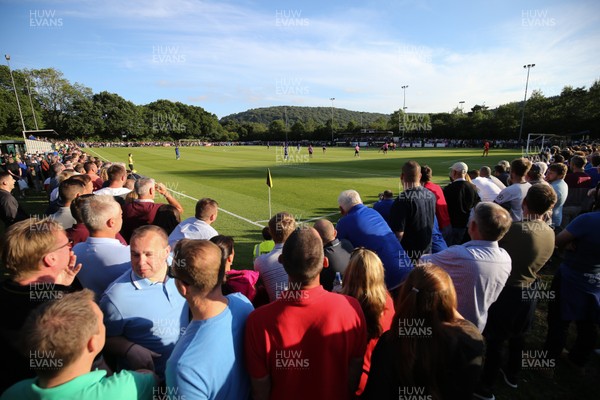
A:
(72, 109)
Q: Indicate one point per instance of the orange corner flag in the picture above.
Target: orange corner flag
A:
(269, 180)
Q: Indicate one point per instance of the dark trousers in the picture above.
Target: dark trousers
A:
(556, 339)
(509, 319)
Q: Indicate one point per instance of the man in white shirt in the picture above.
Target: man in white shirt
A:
(486, 189)
(198, 226)
(512, 197)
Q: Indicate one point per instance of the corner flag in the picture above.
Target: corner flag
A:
(269, 180)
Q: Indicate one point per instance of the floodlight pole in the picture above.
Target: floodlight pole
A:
(403, 110)
(332, 99)
(31, 103)
(7, 57)
(528, 66)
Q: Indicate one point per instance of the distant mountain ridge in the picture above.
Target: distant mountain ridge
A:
(318, 115)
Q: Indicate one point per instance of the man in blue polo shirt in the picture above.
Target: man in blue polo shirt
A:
(143, 312)
(363, 226)
(208, 361)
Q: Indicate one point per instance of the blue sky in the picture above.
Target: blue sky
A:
(230, 56)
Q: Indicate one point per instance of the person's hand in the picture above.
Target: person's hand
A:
(161, 188)
(67, 275)
(139, 357)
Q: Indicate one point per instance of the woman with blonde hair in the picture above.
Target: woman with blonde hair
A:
(430, 349)
(364, 280)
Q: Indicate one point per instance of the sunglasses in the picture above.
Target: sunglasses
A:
(69, 243)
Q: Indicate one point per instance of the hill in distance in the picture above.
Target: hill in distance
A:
(318, 115)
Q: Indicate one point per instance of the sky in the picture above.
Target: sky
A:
(230, 56)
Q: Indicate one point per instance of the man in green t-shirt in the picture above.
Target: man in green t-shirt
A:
(62, 337)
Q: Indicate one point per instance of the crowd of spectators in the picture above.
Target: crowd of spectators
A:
(111, 294)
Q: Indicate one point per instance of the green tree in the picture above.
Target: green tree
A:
(120, 118)
(57, 96)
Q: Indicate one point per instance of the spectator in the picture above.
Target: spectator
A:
(242, 281)
(104, 257)
(501, 174)
(593, 170)
(413, 212)
(577, 289)
(486, 189)
(577, 178)
(79, 232)
(167, 217)
(216, 331)
(486, 172)
(461, 197)
(337, 252)
(441, 207)
(310, 343)
(272, 273)
(40, 266)
(56, 168)
(62, 358)
(69, 190)
(117, 175)
(554, 176)
(142, 210)
(198, 226)
(365, 227)
(512, 197)
(480, 267)
(10, 209)
(364, 281)
(384, 204)
(143, 313)
(266, 245)
(530, 245)
(14, 169)
(537, 173)
(429, 346)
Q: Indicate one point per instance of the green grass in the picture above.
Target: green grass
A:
(306, 188)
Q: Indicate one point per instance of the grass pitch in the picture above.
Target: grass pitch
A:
(306, 187)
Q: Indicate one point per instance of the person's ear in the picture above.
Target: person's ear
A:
(181, 288)
(325, 262)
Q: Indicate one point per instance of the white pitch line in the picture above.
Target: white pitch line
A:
(221, 209)
(195, 199)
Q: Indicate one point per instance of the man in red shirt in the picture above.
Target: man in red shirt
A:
(486, 149)
(143, 209)
(309, 343)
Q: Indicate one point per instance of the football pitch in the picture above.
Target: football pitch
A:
(235, 176)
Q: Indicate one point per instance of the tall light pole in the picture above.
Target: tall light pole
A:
(461, 104)
(332, 99)
(403, 109)
(7, 57)
(31, 102)
(528, 66)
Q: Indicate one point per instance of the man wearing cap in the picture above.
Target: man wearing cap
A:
(461, 197)
(536, 173)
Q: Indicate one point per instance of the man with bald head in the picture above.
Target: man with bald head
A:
(363, 226)
(337, 252)
(486, 172)
(216, 331)
(143, 313)
(309, 342)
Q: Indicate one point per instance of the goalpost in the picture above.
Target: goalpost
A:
(536, 142)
